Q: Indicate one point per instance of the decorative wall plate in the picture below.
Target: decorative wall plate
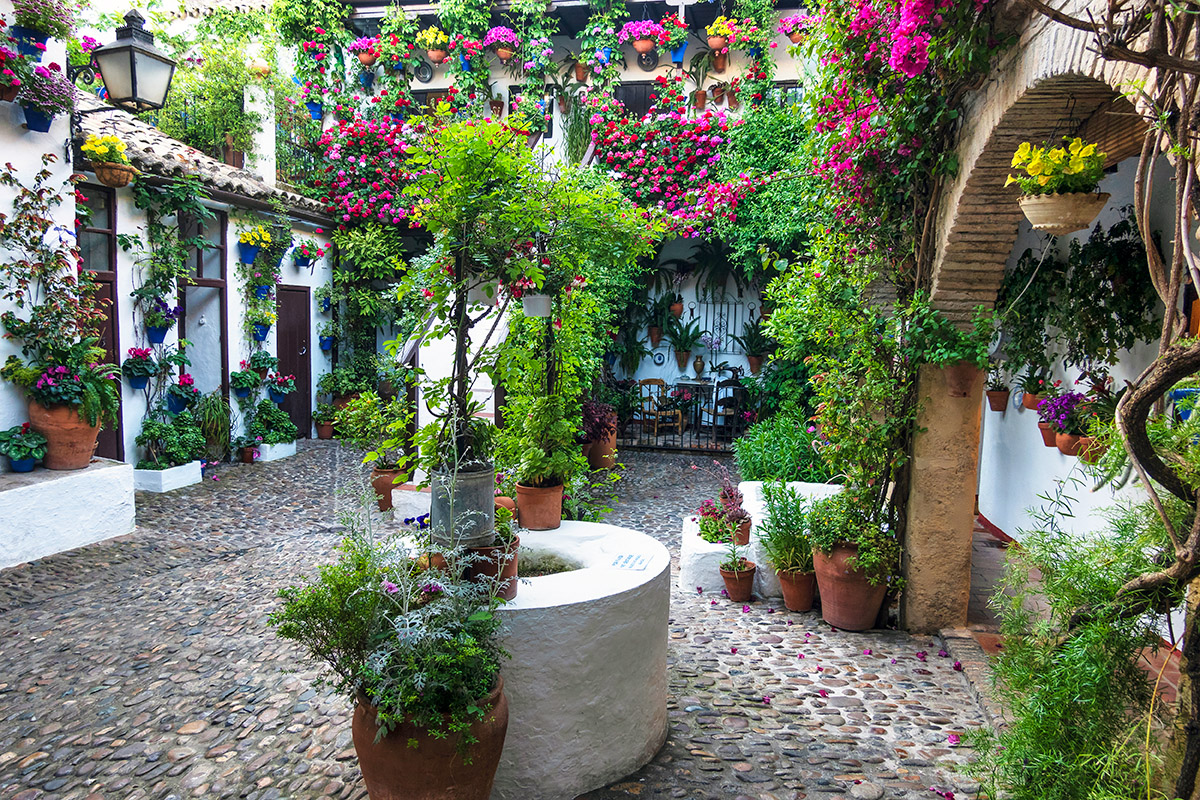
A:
(423, 72)
(660, 359)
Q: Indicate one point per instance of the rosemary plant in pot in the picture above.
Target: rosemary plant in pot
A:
(416, 650)
(784, 539)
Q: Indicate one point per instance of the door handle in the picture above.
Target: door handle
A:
(303, 351)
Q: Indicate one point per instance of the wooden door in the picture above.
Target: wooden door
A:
(295, 353)
(98, 250)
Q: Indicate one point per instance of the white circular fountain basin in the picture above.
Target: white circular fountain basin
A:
(587, 682)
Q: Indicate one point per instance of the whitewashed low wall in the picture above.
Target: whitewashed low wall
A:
(166, 480)
(47, 511)
(274, 452)
(587, 682)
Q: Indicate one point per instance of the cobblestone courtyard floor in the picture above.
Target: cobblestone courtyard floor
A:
(144, 667)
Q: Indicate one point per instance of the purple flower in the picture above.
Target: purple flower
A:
(433, 587)
(733, 650)
(943, 654)
(699, 590)
(745, 609)
(958, 666)
(801, 655)
(823, 693)
(867, 652)
(920, 655)
(953, 739)
(390, 587)
(766, 700)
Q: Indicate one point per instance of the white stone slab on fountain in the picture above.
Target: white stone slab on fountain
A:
(587, 681)
(766, 583)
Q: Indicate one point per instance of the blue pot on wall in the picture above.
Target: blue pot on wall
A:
(325, 305)
(22, 464)
(754, 52)
(315, 110)
(260, 332)
(37, 120)
(175, 404)
(327, 342)
(1189, 395)
(28, 40)
(464, 62)
(247, 252)
(302, 262)
(677, 53)
(607, 51)
(156, 335)
(241, 391)
(277, 396)
(138, 381)
(367, 79)
(262, 292)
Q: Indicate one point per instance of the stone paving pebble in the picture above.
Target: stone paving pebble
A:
(144, 668)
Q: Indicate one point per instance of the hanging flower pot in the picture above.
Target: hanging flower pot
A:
(795, 36)
(1060, 214)
(1090, 451)
(114, 175)
(699, 99)
(505, 54)
(262, 292)
(248, 252)
(960, 378)
(739, 584)
(9, 93)
(678, 53)
(607, 51)
(536, 305)
(718, 93)
(276, 396)
(315, 110)
(138, 381)
(656, 335)
(497, 107)
(681, 358)
(327, 342)
(368, 58)
(28, 41)
(755, 364)
(464, 62)
(241, 391)
(997, 399)
(644, 45)
(436, 56)
(718, 43)
(176, 404)
(156, 335)
(1030, 401)
(36, 120)
(1067, 443)
(302, 262)
(482, 294)
(366, 79)
(260, 332)
(581, 72)
(719, 62)
(1049, 436)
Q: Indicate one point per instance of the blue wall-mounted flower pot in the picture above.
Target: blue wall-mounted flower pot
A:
(262, 292)
(302, 262)
(138, 381)
(327, 342)
(36, 120)
(315, 110)
(754, 52)
(156, 335)
(175, 404)
(248, 252)
(277, 396)
(22, 464)
(325, 305)
(1184, 411)
(241, 391)
(367, 79)
(260, 332)
(28, 40)
(465, 62)
(607, 54)
(678, 52)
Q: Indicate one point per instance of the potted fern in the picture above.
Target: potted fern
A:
(683, 338)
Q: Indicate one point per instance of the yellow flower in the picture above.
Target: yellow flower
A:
(1088, 151)
(1057, 155)
(1011, 180)
(1022, 154)
(1075, 146)
(1043, 180)
(1036, 166)
(1075, 166)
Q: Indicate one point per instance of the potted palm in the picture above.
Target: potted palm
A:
(365, 423)
(416, 651)
(1059, 185)
(738, 574)
(755, 343)
(683, 338)
(784, 540)
(855, 557)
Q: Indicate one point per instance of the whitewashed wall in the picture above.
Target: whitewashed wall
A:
(1014, 466)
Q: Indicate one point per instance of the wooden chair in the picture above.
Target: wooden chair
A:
(651, 413)
(726, 408)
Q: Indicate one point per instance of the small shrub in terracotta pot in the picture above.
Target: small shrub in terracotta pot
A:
(738, 574)
(784, 539)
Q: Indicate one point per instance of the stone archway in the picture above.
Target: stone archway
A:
(1050, 85)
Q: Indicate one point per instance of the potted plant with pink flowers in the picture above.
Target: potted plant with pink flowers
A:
(46, 94)
(644, 33)
(39, 20)
(12, 65)
(504, 41)
(367, 50)
(792, 27)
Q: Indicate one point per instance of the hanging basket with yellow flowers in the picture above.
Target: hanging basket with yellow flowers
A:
(1059, 185)
(109, 162)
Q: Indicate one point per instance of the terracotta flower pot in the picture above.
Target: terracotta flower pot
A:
(497, 560)
(114, 175)
(604, 452)
(656, 335)
(998, 400)
(848, 600)
(765, 312)
(507, 502)
(70, 441)
(539, 509)
(324, 430)
(383, 482)
(581, 72)
(643, 45)
(497, 108)
(247, 455)
(1030, 401)
(1060, 214)
(677, 309)
(367, 59)
(505, 54)
(1067, 443)
(564, 103)
(436, 56)
(797, 589)
(343, 400)
(718, 94)
(739, 585)
(434, 769)
(1049, 435)
(795, 36)
(1090, 451)
(960, 378)
(681, 358)
(755, 364)
(586, 448)
(719, 62)
(717, 43)
(699, 100)
(9, 93)
(742, 534)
